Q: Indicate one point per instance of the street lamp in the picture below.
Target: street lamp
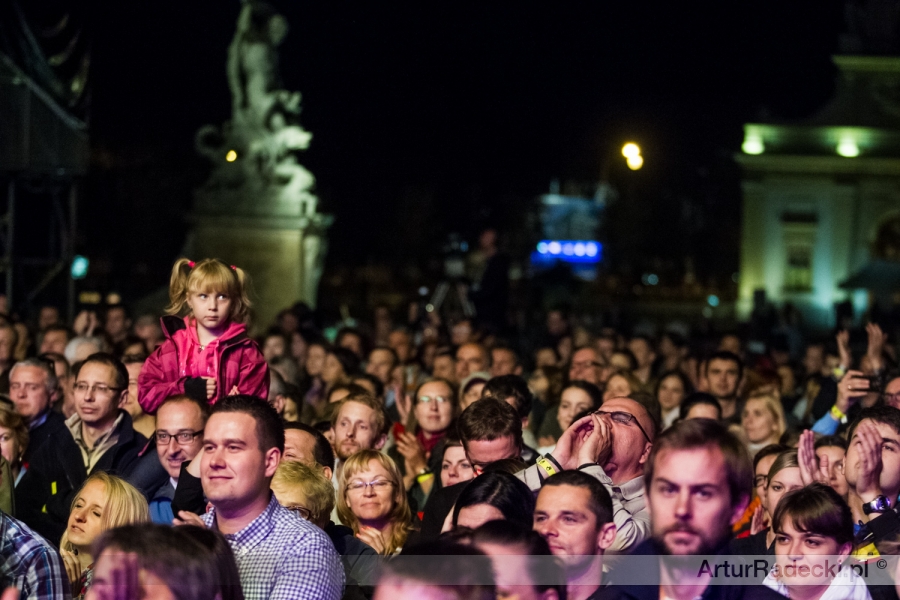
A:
(632, 154)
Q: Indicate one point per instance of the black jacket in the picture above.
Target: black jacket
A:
(45, 493)
(51, 429)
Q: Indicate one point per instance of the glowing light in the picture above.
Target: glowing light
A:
(231, 156)
(554, 247)
(635, 162)
(591, 249)
(753, 144)
(630, 150)
(568, 248)
(423, 291)
(542, 248)
(712, 300)
(579, 249)
(571, 251)
(429, 307)
(652, 279)
(848, 148)
(80, 266)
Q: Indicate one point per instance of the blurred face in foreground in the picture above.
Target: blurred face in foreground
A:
(690, 503)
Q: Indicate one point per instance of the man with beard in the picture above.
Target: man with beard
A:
(359, 423)
(699, 481)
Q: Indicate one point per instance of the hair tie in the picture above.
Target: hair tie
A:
(233, 268)
(191, 264)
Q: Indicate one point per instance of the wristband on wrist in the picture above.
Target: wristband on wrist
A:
(556, 464)
(546, 466)
(424, 477)
(837, 413)
(587, 465)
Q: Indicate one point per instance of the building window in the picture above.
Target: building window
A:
(798, 270)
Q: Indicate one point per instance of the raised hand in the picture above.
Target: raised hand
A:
(843, 343)
(570, 442)
(877, 339)
(868, 440)
(72, 564)
(811, 470)
(210, 387)
(597, 446)
(852, 386)
(373, 538)
(758, 522)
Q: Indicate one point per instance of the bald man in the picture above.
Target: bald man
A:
(612, 445)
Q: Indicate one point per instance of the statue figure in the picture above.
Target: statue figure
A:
(255, 155)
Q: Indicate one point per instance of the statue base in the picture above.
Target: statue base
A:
(283, 256)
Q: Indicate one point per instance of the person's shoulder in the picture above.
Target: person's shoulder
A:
(21, 540)
(298, 534)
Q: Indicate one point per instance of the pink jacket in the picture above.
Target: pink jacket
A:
(240, 363)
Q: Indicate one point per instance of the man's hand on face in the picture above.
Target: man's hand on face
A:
(597, 446)
(868, 440)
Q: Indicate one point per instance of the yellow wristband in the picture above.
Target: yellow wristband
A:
(424, 477)
(837, 414)
(546, 465)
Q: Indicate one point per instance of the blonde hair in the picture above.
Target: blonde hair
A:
(125, 505)
(773, 405)
(401, 515)
(318, 490)
(208, 275)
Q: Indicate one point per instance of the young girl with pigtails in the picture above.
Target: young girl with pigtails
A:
(207, 353)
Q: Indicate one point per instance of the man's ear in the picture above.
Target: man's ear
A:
(645, 456)
(273, 457)
(328, 473)
(379, 443)
(123, 398)
(606, 536)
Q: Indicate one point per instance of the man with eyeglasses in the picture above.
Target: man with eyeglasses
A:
(99, 438)
(179, 437)
(588, 365)
(32, 383)
(613, 445)
(892, 392)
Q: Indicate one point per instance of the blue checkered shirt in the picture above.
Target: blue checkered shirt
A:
(281, 556)
(29, 563)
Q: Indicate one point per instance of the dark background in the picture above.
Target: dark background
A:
(432, 118)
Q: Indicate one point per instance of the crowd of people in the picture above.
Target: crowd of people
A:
(183, 457)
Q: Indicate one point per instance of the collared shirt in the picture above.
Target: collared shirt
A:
(107, 440)
(30, 564)
(282, 556)
(629, 505)
(39, 421)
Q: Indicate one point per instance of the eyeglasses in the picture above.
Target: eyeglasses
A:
(891, 399)
(182, 437)
(98, 388)
(587, 364)
(760, 480)
(300, 511)
(437, 399)
(623, 418)
(378, 484)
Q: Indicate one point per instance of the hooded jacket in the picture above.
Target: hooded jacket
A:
(239, 363)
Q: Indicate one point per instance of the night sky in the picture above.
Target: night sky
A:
(429, 117)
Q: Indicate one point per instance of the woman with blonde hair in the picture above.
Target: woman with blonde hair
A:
(103, 502)
(371, 500)
(762, 421)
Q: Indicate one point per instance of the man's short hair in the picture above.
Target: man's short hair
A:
(696, 399)
(724, 355)
(348, 359)
(367, 399)
(510, 386)
(704, 433)
(44, 365)
(600, 500)
(886, 415)
(489, 419)
(105, 358)
(831, 441)
(322, 450)
(440, 563)
(202, 406)
(546, 573)
(395, 360)
(376, 383)
(507, 348)
(134, 359)
(125, 312)
(269, 429)
(318, 491)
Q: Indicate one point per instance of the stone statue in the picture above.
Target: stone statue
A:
(257, 208)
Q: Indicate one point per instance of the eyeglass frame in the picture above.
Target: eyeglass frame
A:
(425, 399)
(193, 435)
(630, 418)
(94, 387)
(299, 510)
(375, 484)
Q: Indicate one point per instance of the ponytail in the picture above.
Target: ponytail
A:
(178, 286)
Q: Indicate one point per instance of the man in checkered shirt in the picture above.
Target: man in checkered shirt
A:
(278, 554)
(27, 561)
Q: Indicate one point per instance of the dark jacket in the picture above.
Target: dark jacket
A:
(359, 559)
(52, 428)
(45, 493)
(650, 591)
